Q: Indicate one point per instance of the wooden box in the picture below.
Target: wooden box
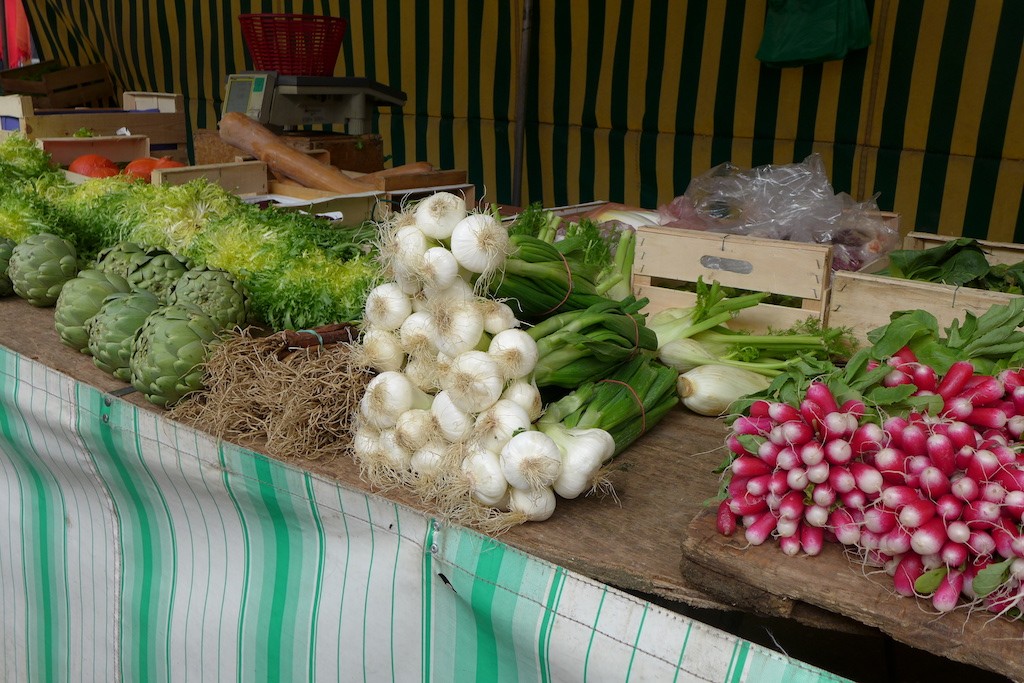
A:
(252, 181)
(359, 153)
(669, 257)
(864, 300)
(158, 116)
(117, 148)
(54, 86)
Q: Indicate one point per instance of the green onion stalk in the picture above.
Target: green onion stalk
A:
(691, 337)
(576, 347)
(538, 279)
(560, 266)
(626, 403)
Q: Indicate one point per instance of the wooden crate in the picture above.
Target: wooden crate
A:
(54, 86)
(864, 300)
(117, 148)
(669, 257)
(253, 181)
(158, 116)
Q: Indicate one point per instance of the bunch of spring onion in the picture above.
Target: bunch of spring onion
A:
(584, 345)
(553, 268)
(455, 400)
(718, 365)
(601, 418)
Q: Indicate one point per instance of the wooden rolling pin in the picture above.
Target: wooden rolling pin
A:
(251, 137)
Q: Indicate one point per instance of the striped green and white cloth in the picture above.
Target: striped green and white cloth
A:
(133, 548)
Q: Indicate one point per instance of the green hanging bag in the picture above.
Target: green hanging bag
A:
(799, 32)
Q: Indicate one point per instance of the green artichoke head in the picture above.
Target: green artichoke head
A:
(6, 247)
(159, 274)
(149, 268)
(112, 330)
(216, 292)
(81, 299)
(123, 259)
(40, 265)
(169, 352)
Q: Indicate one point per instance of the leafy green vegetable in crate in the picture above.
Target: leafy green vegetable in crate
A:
(991, 341)
(956, 262)
(959, 262)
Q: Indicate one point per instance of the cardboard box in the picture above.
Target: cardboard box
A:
(158, 116)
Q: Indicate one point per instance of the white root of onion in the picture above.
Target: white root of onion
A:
(458, 326)
(414, 428)
(387, 396)
(530, 460)
(498, 316)
(499, 423)
(480, 243)
(438, 214)
(584, 451)
(482, 471)
(536, 505)
(428, 460)
(473, 381)
(394, 455)
(526, 393)
(516, 353)
(382, 350)
(437, 271)
(415, 334)
(452, 422)
(387, 306)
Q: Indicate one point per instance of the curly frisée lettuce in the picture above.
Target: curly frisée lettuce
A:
(21, 158)
(311, 291)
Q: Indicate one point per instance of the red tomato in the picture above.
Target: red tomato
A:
(167, 162)
(94, 166)
(141, 168)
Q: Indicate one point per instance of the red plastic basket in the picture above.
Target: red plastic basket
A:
(293, 44)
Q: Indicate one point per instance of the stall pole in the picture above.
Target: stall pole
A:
(524, 61)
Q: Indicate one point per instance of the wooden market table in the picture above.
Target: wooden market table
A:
(656, 537)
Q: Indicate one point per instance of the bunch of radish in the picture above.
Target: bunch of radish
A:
(935, 498)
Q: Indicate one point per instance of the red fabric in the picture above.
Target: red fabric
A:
(18, 38)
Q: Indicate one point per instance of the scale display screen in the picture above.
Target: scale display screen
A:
(246, 93)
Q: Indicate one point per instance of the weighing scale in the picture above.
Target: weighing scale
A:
(289, 101)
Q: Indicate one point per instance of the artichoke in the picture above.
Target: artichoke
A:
(112, 330)
(39, 267)
(169, 352)
(81, 299)
(150, 268)
(6, 247)
(123, 259)
(216, 292)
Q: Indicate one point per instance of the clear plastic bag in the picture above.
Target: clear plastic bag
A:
(788, 202)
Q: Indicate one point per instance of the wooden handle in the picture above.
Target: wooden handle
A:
(239, 130)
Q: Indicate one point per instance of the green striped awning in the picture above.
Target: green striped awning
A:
(133, 548)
